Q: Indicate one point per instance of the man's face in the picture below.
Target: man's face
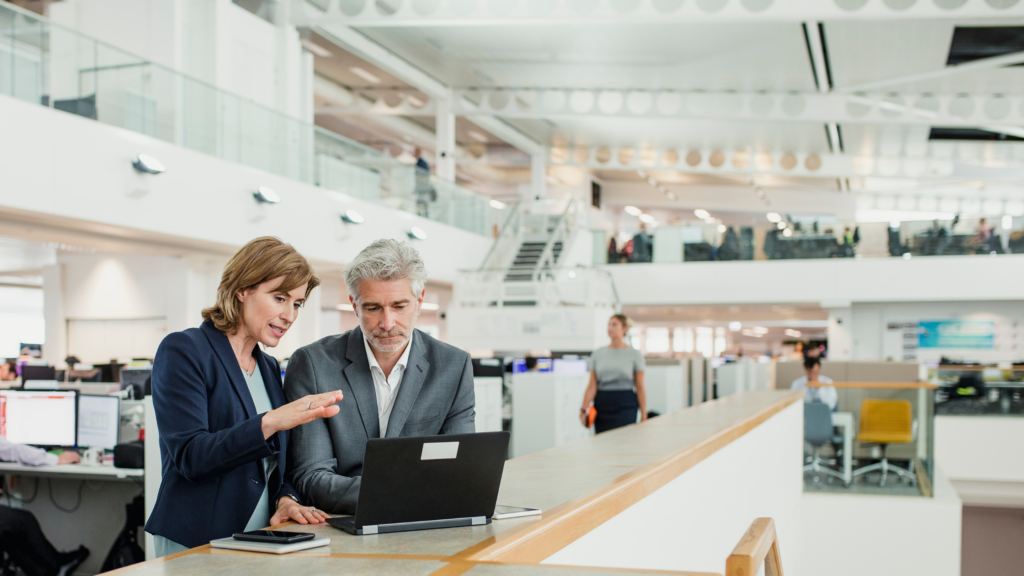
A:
(387, 311)
(6, 374)
(813, 373)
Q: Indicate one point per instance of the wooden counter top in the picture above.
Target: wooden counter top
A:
(579, 486)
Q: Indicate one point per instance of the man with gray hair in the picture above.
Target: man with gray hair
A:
(397, 380)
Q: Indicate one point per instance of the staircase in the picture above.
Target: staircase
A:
(527, 258)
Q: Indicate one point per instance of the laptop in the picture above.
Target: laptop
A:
(427, 482)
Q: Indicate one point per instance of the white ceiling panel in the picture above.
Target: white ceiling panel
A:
(709, 56)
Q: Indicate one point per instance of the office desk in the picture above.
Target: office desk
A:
(73, 472)
(583, 486)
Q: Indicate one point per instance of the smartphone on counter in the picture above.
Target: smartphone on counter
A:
(273, 536)
(505, 512)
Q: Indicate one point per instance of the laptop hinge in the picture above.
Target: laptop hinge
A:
(479, 520)
(372, 529)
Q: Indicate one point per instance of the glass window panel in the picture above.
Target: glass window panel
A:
(657, 340)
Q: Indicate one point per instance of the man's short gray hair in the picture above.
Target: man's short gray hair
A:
(386, 260)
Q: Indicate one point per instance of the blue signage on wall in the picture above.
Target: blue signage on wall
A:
(956, 334)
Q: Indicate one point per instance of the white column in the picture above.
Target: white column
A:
(55, 346)
(538, 177)
(445, 133)
(840, 333)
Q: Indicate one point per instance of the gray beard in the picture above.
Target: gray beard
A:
(373, 339)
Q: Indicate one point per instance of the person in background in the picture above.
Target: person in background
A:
(616, 386)
(20, 535)
(826, 394)
(425, 192)
(613, 251)
(221, 411)
(642, 244)
(531, 363)
(8, 371)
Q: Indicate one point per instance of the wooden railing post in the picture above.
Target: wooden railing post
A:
(759, 545)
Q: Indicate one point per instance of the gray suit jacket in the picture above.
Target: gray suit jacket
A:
(326, 456)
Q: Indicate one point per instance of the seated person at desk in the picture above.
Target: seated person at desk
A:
(402, 381)
(826, 394)
(20, 535)
(8, 373)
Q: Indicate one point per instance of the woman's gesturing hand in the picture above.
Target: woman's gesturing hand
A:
(288, 509)
(303, 410)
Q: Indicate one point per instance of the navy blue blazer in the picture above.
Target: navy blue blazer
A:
(211, 438)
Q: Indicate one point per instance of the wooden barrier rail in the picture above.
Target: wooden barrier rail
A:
(760, 545)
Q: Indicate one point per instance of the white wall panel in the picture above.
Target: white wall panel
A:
(694, 521)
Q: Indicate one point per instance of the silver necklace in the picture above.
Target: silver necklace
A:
(248, 369)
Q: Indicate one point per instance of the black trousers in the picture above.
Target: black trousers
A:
(23, 539)
(615, 409)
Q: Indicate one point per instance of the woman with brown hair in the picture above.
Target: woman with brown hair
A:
(221, 410)
(616, 381)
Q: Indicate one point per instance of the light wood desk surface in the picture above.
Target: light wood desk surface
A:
(578, 485)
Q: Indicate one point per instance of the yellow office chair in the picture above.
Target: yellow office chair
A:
(885, 422)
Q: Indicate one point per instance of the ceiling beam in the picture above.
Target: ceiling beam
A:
(393, 13)
(357, 43)
(953, 110)
(787, 163)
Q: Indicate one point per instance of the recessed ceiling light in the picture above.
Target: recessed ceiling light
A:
(701, 213)
(352, 217)
(416, 233)
(793, 333)
(787, 232)
(641, 173)
(671, 196)
(364, 75)
(430, 306)
(760, 329)
(633, 210)
(148, 164)
(781, 225)
(266, 195)
(652, 181)
(478, 136)
(497, 205)
(316, 48)
(647, 218)
(735, 326)
(345, 307)
(773, 217)
(722, 228)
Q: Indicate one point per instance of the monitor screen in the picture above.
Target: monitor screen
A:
(518, 365)
(570, 366)
(43, 418)
(99, 421)
(544, 364)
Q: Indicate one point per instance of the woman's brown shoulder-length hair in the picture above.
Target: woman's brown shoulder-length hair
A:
(260, 260)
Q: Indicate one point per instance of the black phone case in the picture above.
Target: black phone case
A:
(298, 537)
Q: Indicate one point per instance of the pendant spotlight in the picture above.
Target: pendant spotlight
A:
(352, 217)
(417, 233)
(148, 164)
(265, 195)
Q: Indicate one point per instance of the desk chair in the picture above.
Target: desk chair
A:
(885, 422)
(817, 433)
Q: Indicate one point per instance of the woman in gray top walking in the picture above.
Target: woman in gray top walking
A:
(616, 381)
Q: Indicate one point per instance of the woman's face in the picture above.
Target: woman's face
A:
(268, 313)
(616, 329)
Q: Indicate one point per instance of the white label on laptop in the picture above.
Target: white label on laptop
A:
(440, 451)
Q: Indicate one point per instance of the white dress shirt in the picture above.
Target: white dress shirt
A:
(386, 387)
(826, 394)
(27, 455)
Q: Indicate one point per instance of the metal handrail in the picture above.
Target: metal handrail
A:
(507, 225)
(547, 255)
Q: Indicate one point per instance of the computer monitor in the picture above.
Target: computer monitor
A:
(39, 418)
(99, 421)
(136, 379)
(570, 366)
(29, 372)
(544, 364)
(519, 365)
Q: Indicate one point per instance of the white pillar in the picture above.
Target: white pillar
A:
(538, 177)
(56, 343)
(840, 333)
(445, 133)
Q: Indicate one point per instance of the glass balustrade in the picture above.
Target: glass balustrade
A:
(52, 66)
